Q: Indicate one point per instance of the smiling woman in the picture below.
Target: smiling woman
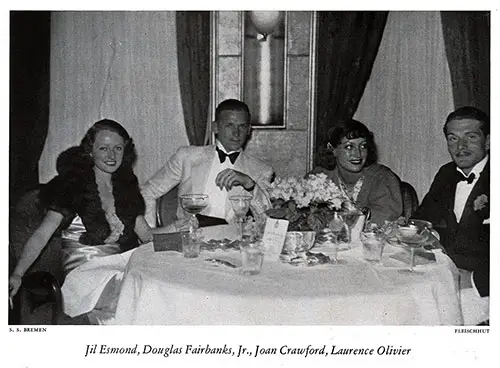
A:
(95, 201)
(366, 183)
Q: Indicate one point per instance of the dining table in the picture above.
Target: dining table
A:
(165, 288)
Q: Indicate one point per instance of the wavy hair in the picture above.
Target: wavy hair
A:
(129, 154)
(349, 129)
(469, 112)
(76, 179)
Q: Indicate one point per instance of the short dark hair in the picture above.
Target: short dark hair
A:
(232, 105)
(129, 154)
(470, 112)
(352, 129)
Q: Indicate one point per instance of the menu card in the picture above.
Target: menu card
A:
(274, 238)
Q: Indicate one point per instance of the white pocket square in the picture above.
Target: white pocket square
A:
(486, 222)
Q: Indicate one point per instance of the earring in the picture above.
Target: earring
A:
(329, 146)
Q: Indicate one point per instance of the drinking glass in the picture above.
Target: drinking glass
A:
(194, 204)
(413, 242)
(252, 258)
(294, 242)
(190, 245)
(351, 219)
(373, 246)
(240, 204)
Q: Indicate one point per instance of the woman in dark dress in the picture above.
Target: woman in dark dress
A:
(95, 199)
(367, 184)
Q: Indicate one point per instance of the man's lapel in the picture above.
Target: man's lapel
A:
(482, 187)
(201, 169)
(449, 196)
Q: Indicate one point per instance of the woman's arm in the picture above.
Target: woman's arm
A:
(34, 247)
(142, 229)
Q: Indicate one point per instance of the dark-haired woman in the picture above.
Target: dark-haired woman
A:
(95, 199)
(366, 183)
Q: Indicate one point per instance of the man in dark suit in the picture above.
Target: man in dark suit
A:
(458, 204)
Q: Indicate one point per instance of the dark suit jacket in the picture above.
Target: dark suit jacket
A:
(467, 242)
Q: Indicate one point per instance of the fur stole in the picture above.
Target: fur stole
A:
(74, 191)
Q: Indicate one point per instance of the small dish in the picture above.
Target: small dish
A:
(408, 231)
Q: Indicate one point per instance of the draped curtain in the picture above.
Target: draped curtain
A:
(29, 97)
(467, 43)
(348, 44)
(408, 97)
(193, 53)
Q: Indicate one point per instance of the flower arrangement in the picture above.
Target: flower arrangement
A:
(307, 203)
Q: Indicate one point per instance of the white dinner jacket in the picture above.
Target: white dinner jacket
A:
(189, 168)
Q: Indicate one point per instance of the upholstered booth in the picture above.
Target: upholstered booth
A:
(39, 299)
(410, 199)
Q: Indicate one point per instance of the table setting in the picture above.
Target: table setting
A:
(320, 277)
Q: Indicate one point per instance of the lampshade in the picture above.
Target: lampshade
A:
(265, 21)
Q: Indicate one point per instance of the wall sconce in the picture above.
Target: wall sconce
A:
(264, 67)
(265, 22)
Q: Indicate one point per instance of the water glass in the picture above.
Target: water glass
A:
(252, 258)
(373, 246)
(294, 242)
(190, 245)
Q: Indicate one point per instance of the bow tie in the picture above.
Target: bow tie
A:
(222, 155)
(469, 179)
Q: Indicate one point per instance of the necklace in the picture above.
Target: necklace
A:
(352, 194)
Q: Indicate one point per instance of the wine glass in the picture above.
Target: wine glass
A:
(241, 204)
(194, 204)
(413, 239)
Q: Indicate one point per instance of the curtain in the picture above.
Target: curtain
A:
(348, 44)
(193, 54)
(408, 97)
(119, 65)
(29, 97)
(467, 42)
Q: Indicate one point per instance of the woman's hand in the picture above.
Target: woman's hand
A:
(143, 230)
(15, 282)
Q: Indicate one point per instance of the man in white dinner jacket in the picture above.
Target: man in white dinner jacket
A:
(219, 170)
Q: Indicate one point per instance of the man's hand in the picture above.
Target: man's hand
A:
(229, 178)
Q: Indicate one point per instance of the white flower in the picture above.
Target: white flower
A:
(480, 202)
(315, 189)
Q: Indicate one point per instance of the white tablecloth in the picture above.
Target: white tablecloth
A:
(166, 288)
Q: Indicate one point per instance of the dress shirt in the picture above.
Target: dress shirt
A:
(216, 196)
(464, 189)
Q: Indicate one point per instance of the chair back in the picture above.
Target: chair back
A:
(28, 214)
(41, 283)
(410, 199)
(166, 208)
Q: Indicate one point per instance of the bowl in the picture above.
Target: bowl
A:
(420, 224)
(408, 231)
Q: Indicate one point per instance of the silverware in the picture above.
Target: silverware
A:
(220, 261)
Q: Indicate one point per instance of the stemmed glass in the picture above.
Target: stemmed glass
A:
(241, 204)
(412, 241)
(194, 204)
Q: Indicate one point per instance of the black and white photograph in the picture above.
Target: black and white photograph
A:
(273, 187)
